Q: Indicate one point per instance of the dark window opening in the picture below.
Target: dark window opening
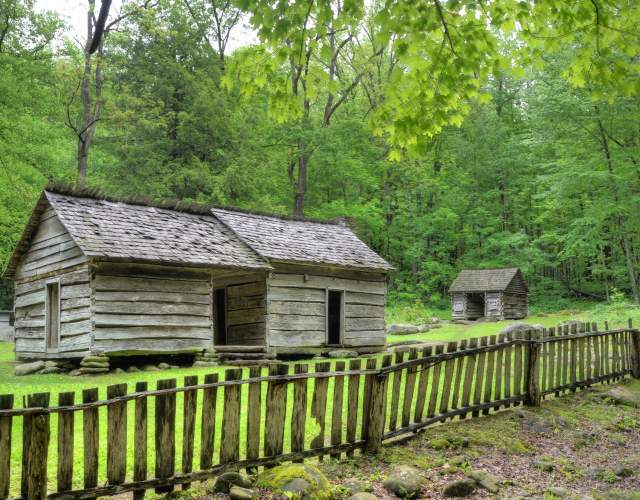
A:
(53, 315)
(334, 319)
(220, 314)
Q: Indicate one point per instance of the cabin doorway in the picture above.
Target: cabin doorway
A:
(334, 317)
(220, 316)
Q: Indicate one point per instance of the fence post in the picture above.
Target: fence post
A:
(376, 415)
(635, 345)
(532, 396)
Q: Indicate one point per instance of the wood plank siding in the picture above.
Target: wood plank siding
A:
(52, 257)
(297, 307)
(145, 308)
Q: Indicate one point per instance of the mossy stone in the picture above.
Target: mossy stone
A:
(459, 488)
(404, 481)
(285, 476)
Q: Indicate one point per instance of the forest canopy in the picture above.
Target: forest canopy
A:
(452, 133)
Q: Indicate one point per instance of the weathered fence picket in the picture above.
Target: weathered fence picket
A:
(398, 396)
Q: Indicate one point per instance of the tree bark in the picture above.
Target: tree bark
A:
(624, 239)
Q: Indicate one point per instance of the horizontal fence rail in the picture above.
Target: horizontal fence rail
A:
(176, 434)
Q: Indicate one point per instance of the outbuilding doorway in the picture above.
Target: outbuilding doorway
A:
(475, 305)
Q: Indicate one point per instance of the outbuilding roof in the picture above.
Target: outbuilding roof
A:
(302, 241)
(484, 280)
(198, 235)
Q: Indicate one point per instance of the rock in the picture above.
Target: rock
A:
(459, 488)
(624, 471)
(521, 327)
(94, 364)
(354, 486)
(118, 371)
(75, 373)
(557, 491)
(434, 320)
(202, 363)
(50, 370)
(29, 368)
(163, 366)
(545, 465)
(318, 357)
(96, 359)
(226, 481)
(297, 487)
(363, 495)
(486, 480)
(595, 473)
(532, 422)
(133, 369)
(50, 364)
(150, 368)
(277, 478)
(174, 367)
(93, 371)
(240, 493)
(402, 329)
(342, 353)
(620, 395)
(434, 326)
(424, 327)
(404, 481)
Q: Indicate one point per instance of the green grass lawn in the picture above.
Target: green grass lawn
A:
(21, 386)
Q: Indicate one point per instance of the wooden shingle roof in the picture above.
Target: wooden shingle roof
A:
(131, 231)
(302, 241)
(484, 280)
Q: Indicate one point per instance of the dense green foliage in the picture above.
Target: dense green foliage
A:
(451, 138)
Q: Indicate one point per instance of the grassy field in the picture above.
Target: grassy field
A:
(21, 386)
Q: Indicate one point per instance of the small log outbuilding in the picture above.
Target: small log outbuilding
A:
(101, 275)
(491, 293)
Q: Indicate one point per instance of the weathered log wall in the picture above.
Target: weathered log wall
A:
(75, 316)
(143, 308)
(52, 255)
(297, 308)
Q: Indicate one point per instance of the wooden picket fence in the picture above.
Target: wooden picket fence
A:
(348, 408)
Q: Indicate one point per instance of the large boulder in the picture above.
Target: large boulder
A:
(620, 395)
(29, 368)
(404, 481)
(400, 329)
(302, 481)
(516, 328)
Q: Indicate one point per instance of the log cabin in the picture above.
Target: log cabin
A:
(95, 274)
(489, 293)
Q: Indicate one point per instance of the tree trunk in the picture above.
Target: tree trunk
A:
(300, 185)
(626, 247)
